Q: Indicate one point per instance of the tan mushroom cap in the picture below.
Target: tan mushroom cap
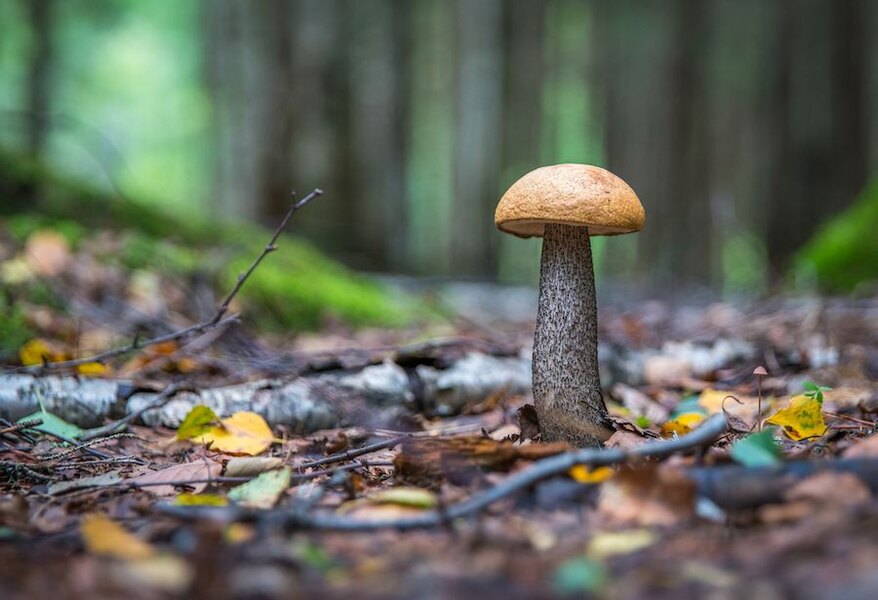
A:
(569, 194)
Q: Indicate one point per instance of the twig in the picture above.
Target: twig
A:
(218, 319)
(349, 454)
(709, 431)
(120, 425)
(17, 427)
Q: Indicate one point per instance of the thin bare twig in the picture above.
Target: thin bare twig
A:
(219, 318)
(120, 425)
(349, 454)
(709, 431)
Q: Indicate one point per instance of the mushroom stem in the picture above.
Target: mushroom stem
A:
(566, 383)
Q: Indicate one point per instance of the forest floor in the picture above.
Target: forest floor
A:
(221, 508)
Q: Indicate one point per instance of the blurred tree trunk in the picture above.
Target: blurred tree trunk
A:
(822, 149)
(250, 76)
(477, 136)
(430, 164)
(377, 55)
(41, 19)
(524, 74)
(319, 104)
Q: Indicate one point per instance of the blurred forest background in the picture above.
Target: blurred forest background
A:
(744, 125)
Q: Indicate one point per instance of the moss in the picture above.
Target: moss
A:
(14, 330)
(844, 253)
(296, 287)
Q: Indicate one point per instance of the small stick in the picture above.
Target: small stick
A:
(709, 431)
(120, 425)
(23, 425)
(349, 454)
(218, 319)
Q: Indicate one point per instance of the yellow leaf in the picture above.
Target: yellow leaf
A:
(615, 543)
(738, 405)
(242, 433)
(35, 351)
(93, 369)
(585, 474)
(802, 419)
(681, 425)
(200, 500)
(107, 538)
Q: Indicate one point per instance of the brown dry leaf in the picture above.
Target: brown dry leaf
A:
(863, 448)
(425, 462)
(831, 489)
(243, 433)
(845, 397)
(625, 439)
(647, 495)
(196, 470)
(105, 537)
(639, 403)
(47, 253)
(248, 466)
(664, 370)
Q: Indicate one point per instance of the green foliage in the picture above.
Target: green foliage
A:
(812, 390)
(14, 329)
(757, 450)
(579, 576)
(844, 253)
(53, 424)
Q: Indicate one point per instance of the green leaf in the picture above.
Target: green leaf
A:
(53, 425)
(757, 450)
(578, 576)
(263, 491)
(687, 405)
(199, 420)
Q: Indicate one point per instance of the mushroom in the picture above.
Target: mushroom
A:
(565, 204)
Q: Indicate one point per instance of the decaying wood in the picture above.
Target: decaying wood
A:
(372, 396)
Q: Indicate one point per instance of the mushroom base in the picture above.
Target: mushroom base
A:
(566, 383)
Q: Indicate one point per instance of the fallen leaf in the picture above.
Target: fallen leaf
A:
(757, 450)
(195, 470)
(682, 424)
(105, 480)
(93, 369)
(201, 500)
(405, 496)
(105, 537)
(649, 494)
(198, 421)
(242, 433)
(585, 474)
(831, 489)
(738, 405)
(47, 253)
(863, 448)
(264, 490)
(579, 576)
(249, 466)
(615, 543)
(53, 424)
(165, 572)
(38, 351)
(802, 419)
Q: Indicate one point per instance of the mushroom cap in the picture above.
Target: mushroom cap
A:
(569, 194)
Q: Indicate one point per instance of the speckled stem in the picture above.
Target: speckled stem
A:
(566, 383)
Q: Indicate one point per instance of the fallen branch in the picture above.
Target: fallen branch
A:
(120, 425)
(709, 431)
(218, 319)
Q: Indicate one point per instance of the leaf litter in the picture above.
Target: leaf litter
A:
(783, 502)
